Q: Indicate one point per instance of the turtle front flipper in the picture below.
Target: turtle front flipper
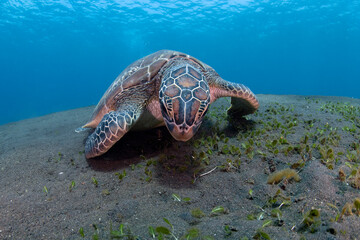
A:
(111, 128)
(243, 100)
(241, 107)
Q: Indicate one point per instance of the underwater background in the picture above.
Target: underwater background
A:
(62, 54)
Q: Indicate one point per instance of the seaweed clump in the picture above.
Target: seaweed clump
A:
(287, 173)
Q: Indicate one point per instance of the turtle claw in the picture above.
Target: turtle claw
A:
(80, 129)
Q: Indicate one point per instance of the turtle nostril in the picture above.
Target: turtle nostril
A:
(184, 127)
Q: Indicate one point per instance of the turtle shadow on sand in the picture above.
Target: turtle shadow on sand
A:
(238, 124)
(178, 169)
(129, 149)
(158, 143)
(153, 144)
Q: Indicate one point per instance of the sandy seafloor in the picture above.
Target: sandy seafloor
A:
(48, 190)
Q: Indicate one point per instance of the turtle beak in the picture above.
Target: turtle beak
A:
(182, 132)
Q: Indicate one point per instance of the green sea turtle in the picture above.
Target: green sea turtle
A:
(164, 88)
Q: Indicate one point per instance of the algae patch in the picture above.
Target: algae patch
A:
(287, 173)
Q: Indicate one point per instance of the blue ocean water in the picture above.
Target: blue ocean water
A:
(62, 54)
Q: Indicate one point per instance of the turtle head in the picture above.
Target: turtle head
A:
(184, 98)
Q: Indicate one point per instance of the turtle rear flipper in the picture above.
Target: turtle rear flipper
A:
(112, 127)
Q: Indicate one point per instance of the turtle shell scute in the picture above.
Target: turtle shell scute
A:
(178, 72)
(137, 78)
(154, 67)
(194, 73)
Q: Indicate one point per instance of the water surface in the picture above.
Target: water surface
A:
(59, 55)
